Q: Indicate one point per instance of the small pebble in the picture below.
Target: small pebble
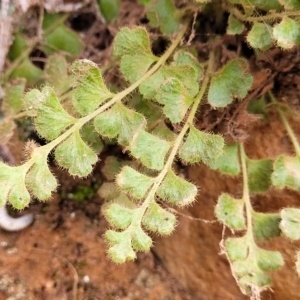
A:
(4, 244)
(86, 279)
(12, 251)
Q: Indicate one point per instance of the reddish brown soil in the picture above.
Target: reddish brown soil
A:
(55, 261)
(63, 253)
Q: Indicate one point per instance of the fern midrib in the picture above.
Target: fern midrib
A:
(118, 97)
(168, 165)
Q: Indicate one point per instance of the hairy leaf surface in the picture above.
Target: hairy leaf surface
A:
(38, 174)
(56, 73)
(237, 248)
(121, 122)
(290, 223)
(231, 82)
(12, 102)
(12, 185)
(133, 48)
(234, 25)
(159, 220)
(150, 149)
(269, 260)
(89, 88)
(119, 216)
(265, 225)
(121, 248)
(287, 33)
(140, 240)
(176, 190)
(163, 14)
(259, 174)
(231, 212)
(33, 100)
(74, 155)
(133, 182)
(260, 36)
(228, 161)
(51, 118)
(286, 172)
(201, 146)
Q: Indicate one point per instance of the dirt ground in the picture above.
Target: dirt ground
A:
(63, 254)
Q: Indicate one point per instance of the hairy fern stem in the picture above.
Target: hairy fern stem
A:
(115, 98)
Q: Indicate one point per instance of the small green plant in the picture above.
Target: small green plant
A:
(60, 44)
(153, 120)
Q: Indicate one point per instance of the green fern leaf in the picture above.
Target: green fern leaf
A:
(201, 146)
(74, 155)
(159, 220)
(51, 118)
(132, 47)
(232, 81)
(150, 149)
(163, 14)
(176, 190)
(40, 180)
(230, 211)
(119, 122)
(89, 88)
(133, 182)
